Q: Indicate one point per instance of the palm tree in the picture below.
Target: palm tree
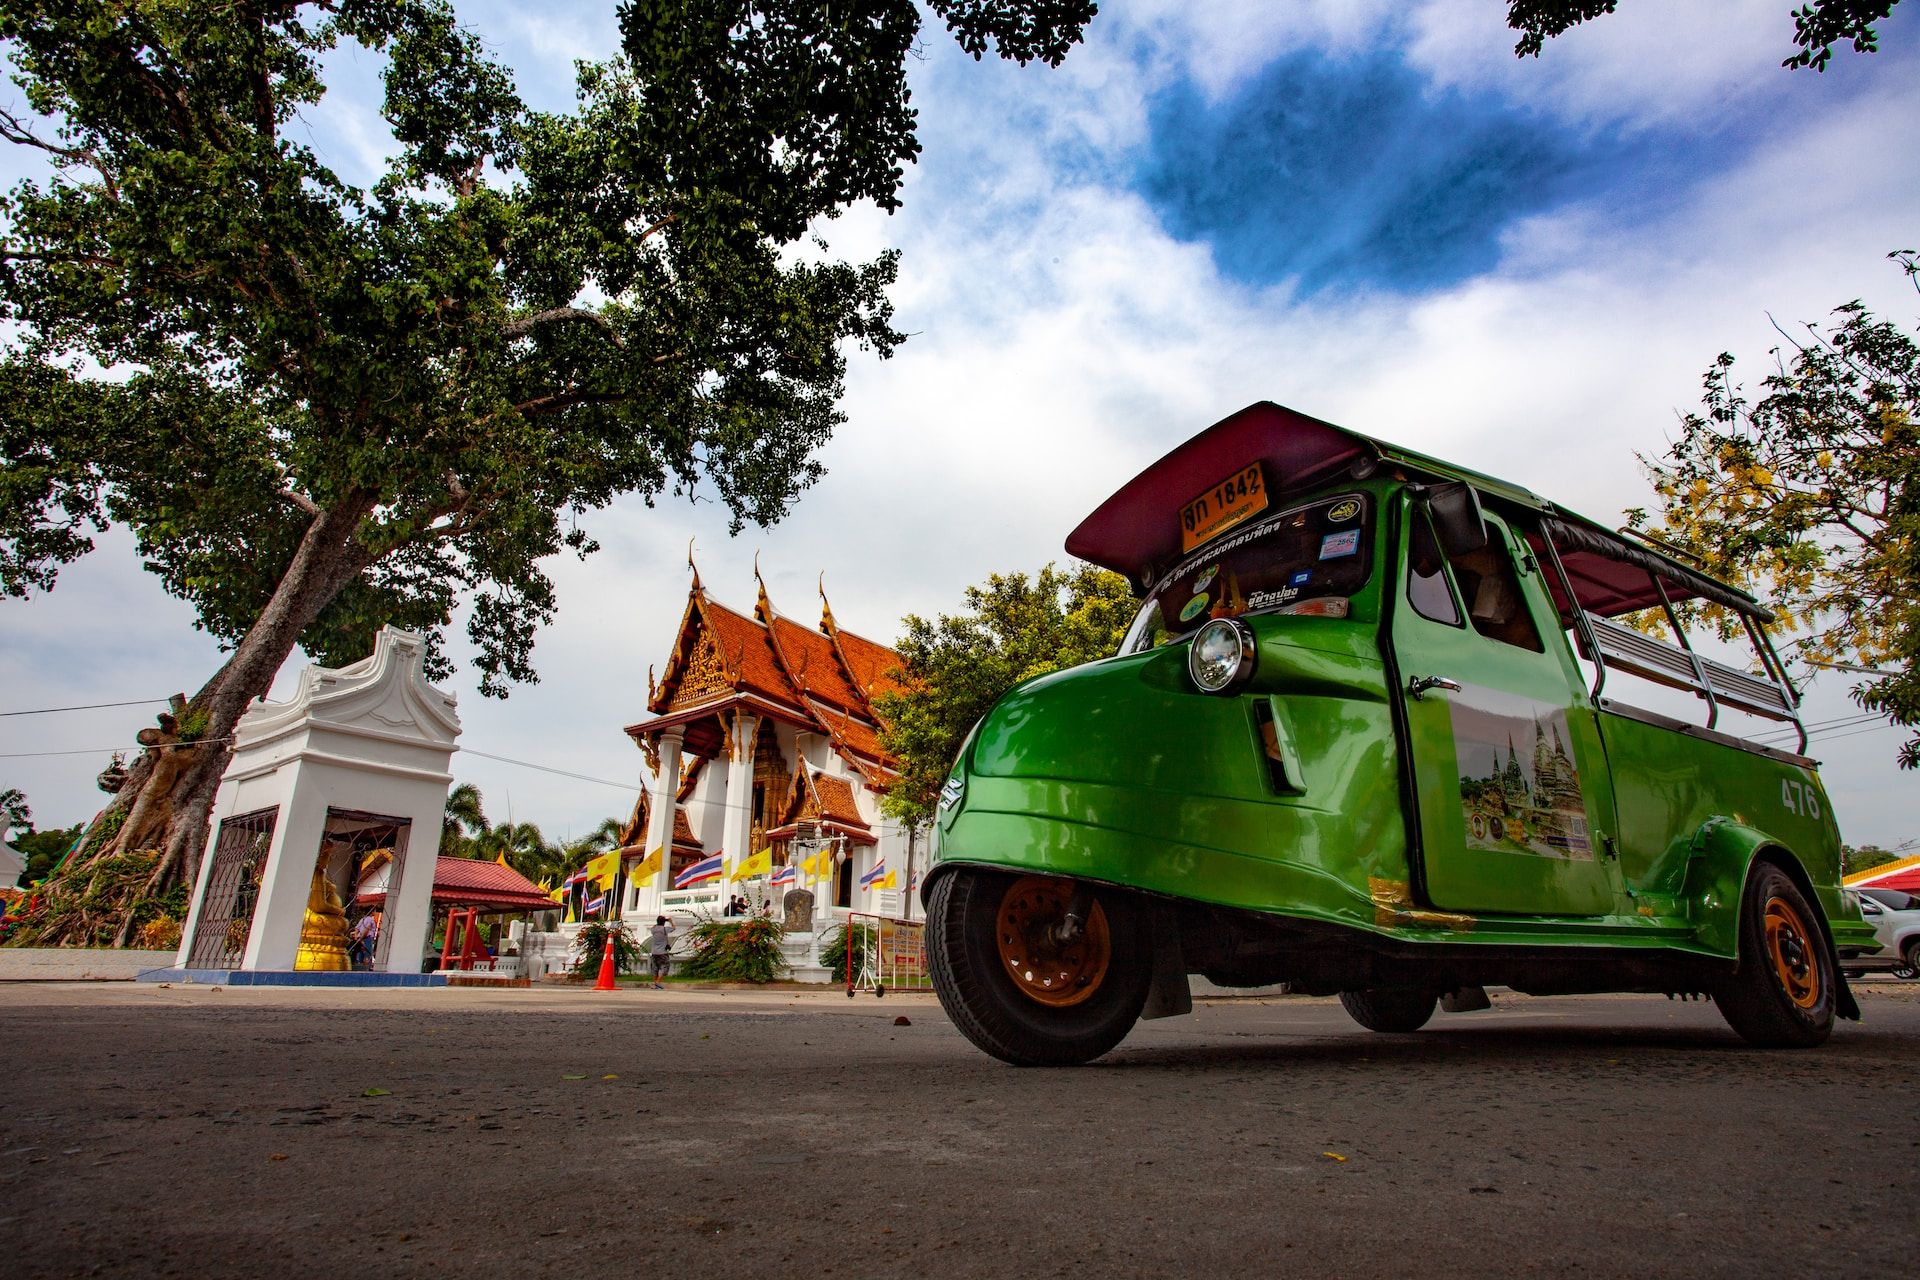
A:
(524, 848)
(466, 822)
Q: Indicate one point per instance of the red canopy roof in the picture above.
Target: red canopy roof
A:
(471, 882)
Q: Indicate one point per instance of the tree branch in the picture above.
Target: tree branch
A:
(301, 501)
(14, 130)
(521, 327)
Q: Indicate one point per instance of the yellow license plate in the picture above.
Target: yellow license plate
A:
(1233, 500)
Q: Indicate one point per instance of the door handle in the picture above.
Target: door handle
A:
(1420, 684)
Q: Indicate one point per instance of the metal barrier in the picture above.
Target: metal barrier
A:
(894, 957)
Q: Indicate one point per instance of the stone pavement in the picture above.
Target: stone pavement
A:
(69, 964)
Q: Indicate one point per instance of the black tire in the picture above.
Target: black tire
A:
(1782, 994)
(879, 991)
(989, 1007)
(1390, 1011)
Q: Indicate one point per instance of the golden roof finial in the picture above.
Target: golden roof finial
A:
(696, 568)
(826, 609)
(763, 606)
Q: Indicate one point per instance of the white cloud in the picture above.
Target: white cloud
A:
(1646, 63)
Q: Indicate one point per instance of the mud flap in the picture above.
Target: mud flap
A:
(1843, 1002)
(1169, 996)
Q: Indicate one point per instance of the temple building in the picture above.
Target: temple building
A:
(765, 770)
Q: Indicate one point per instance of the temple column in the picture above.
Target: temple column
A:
(736, 827)
(660, 810)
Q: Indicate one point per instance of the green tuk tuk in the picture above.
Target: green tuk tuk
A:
(1393, 730)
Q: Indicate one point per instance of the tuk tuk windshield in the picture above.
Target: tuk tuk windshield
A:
(1307, 559)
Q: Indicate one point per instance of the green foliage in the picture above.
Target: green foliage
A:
(43, 850)
(957, 666)
(592, 942)
(1864, 858)
(320, 407)
(1810, 498)
(466, 833)
(1818, 25)
(746, 949)
(833, 956)
(14, 811)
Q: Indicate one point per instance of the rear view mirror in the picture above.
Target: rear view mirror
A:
(1457, 521)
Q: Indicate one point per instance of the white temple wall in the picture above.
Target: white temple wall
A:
(706, 806)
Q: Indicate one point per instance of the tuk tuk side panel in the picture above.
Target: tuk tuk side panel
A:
(1693, 813)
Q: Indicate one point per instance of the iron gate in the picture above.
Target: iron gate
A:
(233, 889)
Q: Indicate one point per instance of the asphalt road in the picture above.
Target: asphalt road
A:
(308, 1134)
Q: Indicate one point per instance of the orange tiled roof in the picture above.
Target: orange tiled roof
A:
(634, 834)
(836, 801)
(875, 668)
(824, 678)
(857, 735)
(812, 666)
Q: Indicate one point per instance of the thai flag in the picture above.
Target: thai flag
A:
(578, 877)
(596, 903)
(874, 876)
(785, 875)
(700, 872)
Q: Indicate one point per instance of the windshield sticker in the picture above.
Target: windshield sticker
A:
(1195, 607)
(1344, 511)
(1335, 545)
(1519, 785)
(1267, 599)
(1301, 578)
(1205, 580)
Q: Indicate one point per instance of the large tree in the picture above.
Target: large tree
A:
(956, 666)
(1809, 496)
(1818, 25)
(322, 406)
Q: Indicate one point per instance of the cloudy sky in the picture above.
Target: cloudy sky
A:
(1368, 210)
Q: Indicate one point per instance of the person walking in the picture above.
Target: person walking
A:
(660, 949)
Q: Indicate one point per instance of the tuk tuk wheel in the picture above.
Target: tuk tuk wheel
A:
(1390, 1011)
(1782, 995)
(1014, 988)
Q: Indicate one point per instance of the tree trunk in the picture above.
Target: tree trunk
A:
(170, 789)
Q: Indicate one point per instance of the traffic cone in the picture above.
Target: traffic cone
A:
(606, 970)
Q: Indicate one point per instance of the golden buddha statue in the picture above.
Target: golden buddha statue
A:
(323, 933)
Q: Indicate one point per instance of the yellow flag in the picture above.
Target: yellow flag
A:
(647, 867)
(891, 880)
(758, 864)
(601, 870)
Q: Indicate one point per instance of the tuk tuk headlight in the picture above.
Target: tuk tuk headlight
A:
(1221, 659)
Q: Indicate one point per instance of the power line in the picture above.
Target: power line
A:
(95, 751)
(565, 773)
(91, 706)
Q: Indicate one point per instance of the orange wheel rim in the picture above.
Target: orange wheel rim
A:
(1044, 969)
(1790, 948)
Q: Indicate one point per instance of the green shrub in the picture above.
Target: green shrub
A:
(833, 956)
(739, 950)
(593, 946)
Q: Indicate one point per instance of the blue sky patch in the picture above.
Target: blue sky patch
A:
(1356, 174)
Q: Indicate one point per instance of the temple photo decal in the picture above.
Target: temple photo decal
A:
(1519, 786)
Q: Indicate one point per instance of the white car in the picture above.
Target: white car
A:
(1895, 917)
